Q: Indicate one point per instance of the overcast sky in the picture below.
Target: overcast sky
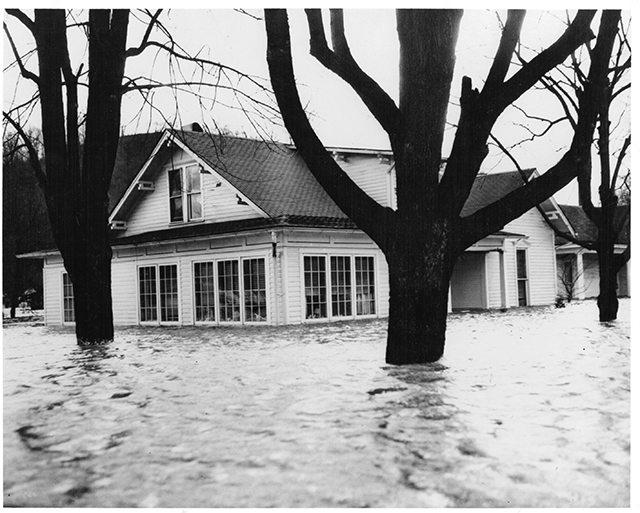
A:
(238, 40)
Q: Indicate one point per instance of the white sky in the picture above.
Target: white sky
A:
(338, 115)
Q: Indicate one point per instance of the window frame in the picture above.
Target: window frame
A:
(329, 286)
(158, 294)
(242, 290)
(527, 296)
(63, 310)
(185, 195)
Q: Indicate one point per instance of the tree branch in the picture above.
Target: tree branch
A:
(341, 62)
(369, 215)
(506, 48)
(23, 70)
(132, 52)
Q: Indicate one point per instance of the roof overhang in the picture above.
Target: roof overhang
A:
(495, 242)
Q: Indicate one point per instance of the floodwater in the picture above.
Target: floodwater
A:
(528, 408)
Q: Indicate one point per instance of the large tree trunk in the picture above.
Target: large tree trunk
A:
(420, 268)
(608, 296)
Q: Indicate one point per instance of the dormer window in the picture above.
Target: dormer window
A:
(185, 194)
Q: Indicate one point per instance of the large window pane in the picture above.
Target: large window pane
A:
(229, 291)
(341, 286)
(169, 307)
(205, 291)
(315, 286)
(255, 290)
(365, 286)
(148, 304)
(68, 304)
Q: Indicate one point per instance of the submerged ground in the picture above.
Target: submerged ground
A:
(527, 408)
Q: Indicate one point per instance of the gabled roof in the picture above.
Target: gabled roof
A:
(133, 152)
(586, 231)
(488, 188)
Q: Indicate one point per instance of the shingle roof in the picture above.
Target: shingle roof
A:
(488, 188)
(133, 152)
(586, 231)
(271, 175)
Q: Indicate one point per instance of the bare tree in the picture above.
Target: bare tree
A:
(76, 175)
(424, 237)
(611, 144)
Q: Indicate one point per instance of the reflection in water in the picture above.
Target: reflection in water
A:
(308, 416)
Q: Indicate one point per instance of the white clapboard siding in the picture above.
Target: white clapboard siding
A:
(124, 291)
(220, 203)
(52, 274)
(371, 175)
(540, 255)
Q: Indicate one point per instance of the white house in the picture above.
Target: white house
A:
(224, 230)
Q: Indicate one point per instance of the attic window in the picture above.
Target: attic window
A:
(185, 194)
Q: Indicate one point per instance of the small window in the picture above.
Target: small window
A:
(185, 194)
(341, 286)
(255, 290)
(68, 303)
(521, 264)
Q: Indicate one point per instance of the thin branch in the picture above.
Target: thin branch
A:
(24, 19)
(33, 154)
(341, 62)
(23, 70)
(132, 52)
(623, 151)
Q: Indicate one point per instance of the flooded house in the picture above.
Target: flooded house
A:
(222, 230)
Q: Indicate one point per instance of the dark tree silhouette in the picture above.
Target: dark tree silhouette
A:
(424, 237)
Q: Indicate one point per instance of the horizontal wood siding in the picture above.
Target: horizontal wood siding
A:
(219, 203)
(124, 291)
(52, 275)
(541, 257)
(371, 174)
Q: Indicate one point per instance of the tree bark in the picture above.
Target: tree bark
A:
(420, 268)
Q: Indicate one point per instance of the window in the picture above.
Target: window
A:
(255, 290)
(158, 293)
(340, 286)
(365, 286)
(185, 194)
(68, 304)
(349, 277)
(241, 291)
(204, 285)
(315, 287)
(229, 291)
(521, 264)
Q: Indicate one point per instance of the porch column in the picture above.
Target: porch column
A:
(579, 284)
(449, 306)
(504, 289)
